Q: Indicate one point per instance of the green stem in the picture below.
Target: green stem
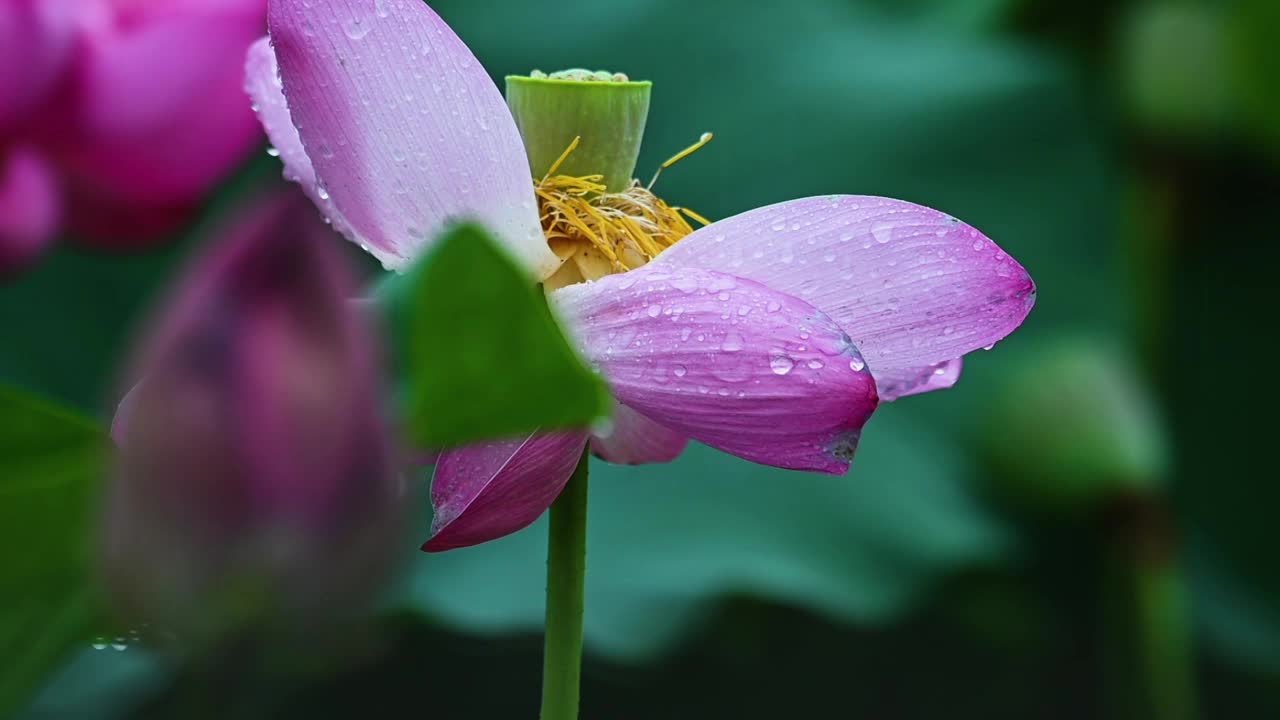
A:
(566, 571)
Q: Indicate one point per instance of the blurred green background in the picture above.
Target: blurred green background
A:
(1080, 528)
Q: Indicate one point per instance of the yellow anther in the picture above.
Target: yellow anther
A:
(624, 229)
(563, 156)
(706, 138)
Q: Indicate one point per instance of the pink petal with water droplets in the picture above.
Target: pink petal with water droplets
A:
(726, 361)
(262, 83)
(634, 439)
(404, 128)
(484, 491)
(912, 286)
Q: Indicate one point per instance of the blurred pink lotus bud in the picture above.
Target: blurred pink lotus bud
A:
(254, 480)
(134, 106)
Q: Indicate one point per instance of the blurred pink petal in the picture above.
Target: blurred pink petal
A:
(485, 491)
(726, 361)
(29, 206)
(912, 286)
(403, 126)
(634, 439)
(36, 40)
(159, 110)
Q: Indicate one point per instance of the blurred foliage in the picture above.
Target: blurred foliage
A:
(50, 463)
(1003, 113)
(1089, 438)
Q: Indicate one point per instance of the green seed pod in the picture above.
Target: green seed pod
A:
(607, 111)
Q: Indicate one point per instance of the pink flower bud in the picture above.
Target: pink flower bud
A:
(254, 479)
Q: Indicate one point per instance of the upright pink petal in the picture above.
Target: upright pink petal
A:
(727, 361)
(913, 287)
(634, 439)
(30, 207)
(403, 126)
(482, 492)
(263, 84)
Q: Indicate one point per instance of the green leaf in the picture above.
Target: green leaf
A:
(50, 462)
(477, 347)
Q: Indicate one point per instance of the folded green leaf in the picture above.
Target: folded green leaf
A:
(477, 351)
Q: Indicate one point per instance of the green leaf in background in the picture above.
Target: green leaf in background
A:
(51, 461)
(481, 355)
(667, 542)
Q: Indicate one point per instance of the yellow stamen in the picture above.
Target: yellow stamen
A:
(706, 138)
(628, 228)
(563, 156)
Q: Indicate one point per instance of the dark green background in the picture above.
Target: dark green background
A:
(906, 589)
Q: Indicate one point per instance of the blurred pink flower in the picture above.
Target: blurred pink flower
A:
(117, 116)
(771, 335)
(253, 456)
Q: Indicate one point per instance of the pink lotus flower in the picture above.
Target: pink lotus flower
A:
(771, 335)
(117, 116)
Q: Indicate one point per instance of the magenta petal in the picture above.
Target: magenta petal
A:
(913, 287)
(36, 43)
(404, 128)
(482, 492)
(901, 382)
(634, 439)
(30, 206)
(726, 361)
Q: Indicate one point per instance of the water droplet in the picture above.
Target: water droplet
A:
(815, 364)
(273, 151)
(99, 644)
(977, 245)
(684, 283)
(779, 225)
(781, 364)
(654, 311)
(321, 192)
(120, 644)
(679, 371)
(773, 306)
(744, 310)
(857, 365)
(733, 342)
(948, 330)
(882, 232)
(988, 347)
(356, 29)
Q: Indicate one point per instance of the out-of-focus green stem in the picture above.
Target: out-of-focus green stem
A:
(566, 573)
